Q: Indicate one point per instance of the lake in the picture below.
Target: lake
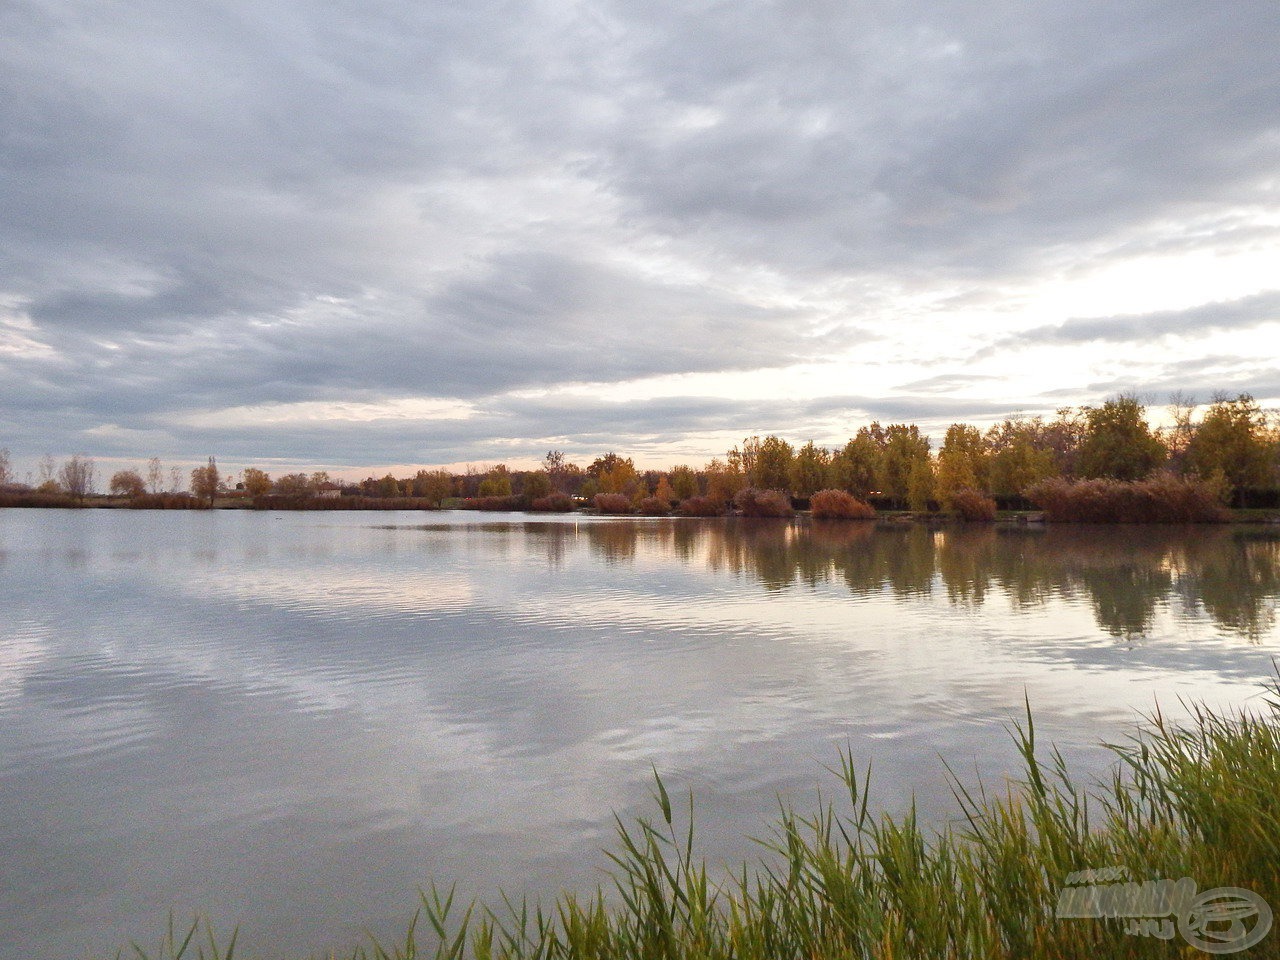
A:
(293, 721)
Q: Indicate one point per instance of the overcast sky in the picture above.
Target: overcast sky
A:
(369, 233)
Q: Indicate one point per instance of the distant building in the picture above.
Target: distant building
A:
(329, 490)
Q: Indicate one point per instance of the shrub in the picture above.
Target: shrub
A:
(654, 507)
(166, 501)
(498, 503)
(276, 502)
(754, 502)
(972, 505)
(699, 507)
(839, 505)
(1162, 498)
(553, 503)
(612, 503)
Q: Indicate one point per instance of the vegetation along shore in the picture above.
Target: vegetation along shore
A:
(1094, 464)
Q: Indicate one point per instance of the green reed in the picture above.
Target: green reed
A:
(1199, 799)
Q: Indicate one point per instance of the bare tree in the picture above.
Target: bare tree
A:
(1182, 408)
(175, 479)
(76, 476)
(48, 473)
(6, 471)
(155, 476)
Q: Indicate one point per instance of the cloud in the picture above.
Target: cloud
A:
(286, 202)
(1199, 321)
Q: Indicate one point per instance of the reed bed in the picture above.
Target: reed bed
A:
(1198, 800)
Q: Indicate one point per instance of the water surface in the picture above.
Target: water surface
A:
(293, 721)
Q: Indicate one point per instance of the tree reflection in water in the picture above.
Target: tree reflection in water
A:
(1229, 573)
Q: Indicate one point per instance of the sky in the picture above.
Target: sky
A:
(361, 235)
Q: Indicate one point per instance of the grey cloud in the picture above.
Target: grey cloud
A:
(480, 192)
(1201, 320)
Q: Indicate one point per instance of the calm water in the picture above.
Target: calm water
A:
(291, 722)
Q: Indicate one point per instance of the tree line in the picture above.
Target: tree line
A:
(1233, 449)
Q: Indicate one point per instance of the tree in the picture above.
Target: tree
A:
(1177, 439)
(615, 474)
(1020, 454)
(724, 480)
(665, 492)
(389, 487)
(1118, 442)
(155, 476)
(293, 485)
(810, 469)
(433, 485)
(537, 483)
(6, 471)
(767, 462)
(76, 476)
(684, 481)
(206, 482)
(1232, 441)
(920, 484)
(257, 483)
(127, 483)
(497, 483)
(904, 447)
(48, 475)
(856, 468)
(962, 463)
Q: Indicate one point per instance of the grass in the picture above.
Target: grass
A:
(1199, 800)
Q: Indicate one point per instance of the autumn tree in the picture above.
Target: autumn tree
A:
(962, 463)
(724, 479)
(664, 492)
(1118, 442)
(127, 483)
(1232, 441)
(292, 485)
(497, 482)
(857, 466)
(684, 481)
(433, 485)
(536, 484)
(1020, 454)
(920, 484)
(615, 474)
(767, 463)
(206, 482)
(257, 483)
(76, 476)
(810, 470)
(904, 447)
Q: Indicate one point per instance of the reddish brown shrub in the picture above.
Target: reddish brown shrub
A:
(654, 507)
(754, 502)
(612, 503)
(973, 506)
(1162, 498)
(699, 507)
(838, 505)
(553, 503)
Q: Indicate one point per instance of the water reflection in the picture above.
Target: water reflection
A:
(1231, 574)
(293, 721)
